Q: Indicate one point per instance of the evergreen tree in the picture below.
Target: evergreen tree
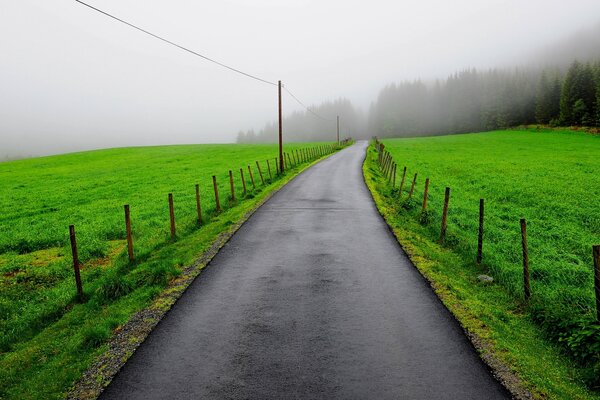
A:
(547, 102)
(554, 101)
(579, 85)
(542, 100)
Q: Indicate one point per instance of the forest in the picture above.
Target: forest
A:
(473, 101)
(467, 101)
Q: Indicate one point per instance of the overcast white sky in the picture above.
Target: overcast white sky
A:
(71, 78)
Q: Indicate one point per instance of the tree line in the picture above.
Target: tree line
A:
(467, 101)
(318, 125)
(472, 101)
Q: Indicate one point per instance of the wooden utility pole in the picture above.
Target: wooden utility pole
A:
(281, 166)
(338, 130)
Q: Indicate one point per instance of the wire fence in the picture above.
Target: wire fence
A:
(501, 245)
(222, 192)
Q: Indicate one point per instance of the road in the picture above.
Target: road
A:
(312, 298)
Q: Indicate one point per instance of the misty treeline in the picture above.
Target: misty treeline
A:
(320, 123)
(471, 101)
(467, 101)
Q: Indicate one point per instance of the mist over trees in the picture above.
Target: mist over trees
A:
(552, 89)
(320, 124)
(472, 101)
(467, 101)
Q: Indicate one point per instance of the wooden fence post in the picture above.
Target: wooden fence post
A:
(425, 195)
(385, 161)
(526, 281)
(172, 216)
(596, 255)
(445, 216)
(394, 176)
(243, 182)
(402, 182)
(216, 189)
(260, 173)
(480, 233)
(269, 168)
(198, 204)
(412, 187)
(277, 167)
(231, 186)
(294, 157)
(388, 170)
(251, 177)
(128, 232)
(76, 262)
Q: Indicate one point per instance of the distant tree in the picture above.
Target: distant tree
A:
(554, 101)
(542, 106)
(241, 137)
(547, 102)
(578, 85)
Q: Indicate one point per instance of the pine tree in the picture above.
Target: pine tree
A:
(554, 101)
(542, 100)
(579, 85)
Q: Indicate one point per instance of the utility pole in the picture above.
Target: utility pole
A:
(281, 167)
(338, 129)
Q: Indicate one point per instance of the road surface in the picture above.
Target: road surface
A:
(312, 298)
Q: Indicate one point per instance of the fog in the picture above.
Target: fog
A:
(73, 79)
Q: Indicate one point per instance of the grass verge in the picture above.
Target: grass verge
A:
(500, 328)
(123, 300)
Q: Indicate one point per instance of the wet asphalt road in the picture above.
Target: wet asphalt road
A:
(312, 298)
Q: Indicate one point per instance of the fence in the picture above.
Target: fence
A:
(388, 168)
(291, 160)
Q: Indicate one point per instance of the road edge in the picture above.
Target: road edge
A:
(484, 349)
(133, 333)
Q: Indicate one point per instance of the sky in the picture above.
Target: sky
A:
(73, 79)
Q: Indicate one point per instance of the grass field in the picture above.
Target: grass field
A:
(47, 337)
(550, 178)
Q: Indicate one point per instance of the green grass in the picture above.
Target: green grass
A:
(550, 178)
(47, 337)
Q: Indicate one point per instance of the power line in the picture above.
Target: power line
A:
(307, 108)
(203, 56)
(176, 45)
